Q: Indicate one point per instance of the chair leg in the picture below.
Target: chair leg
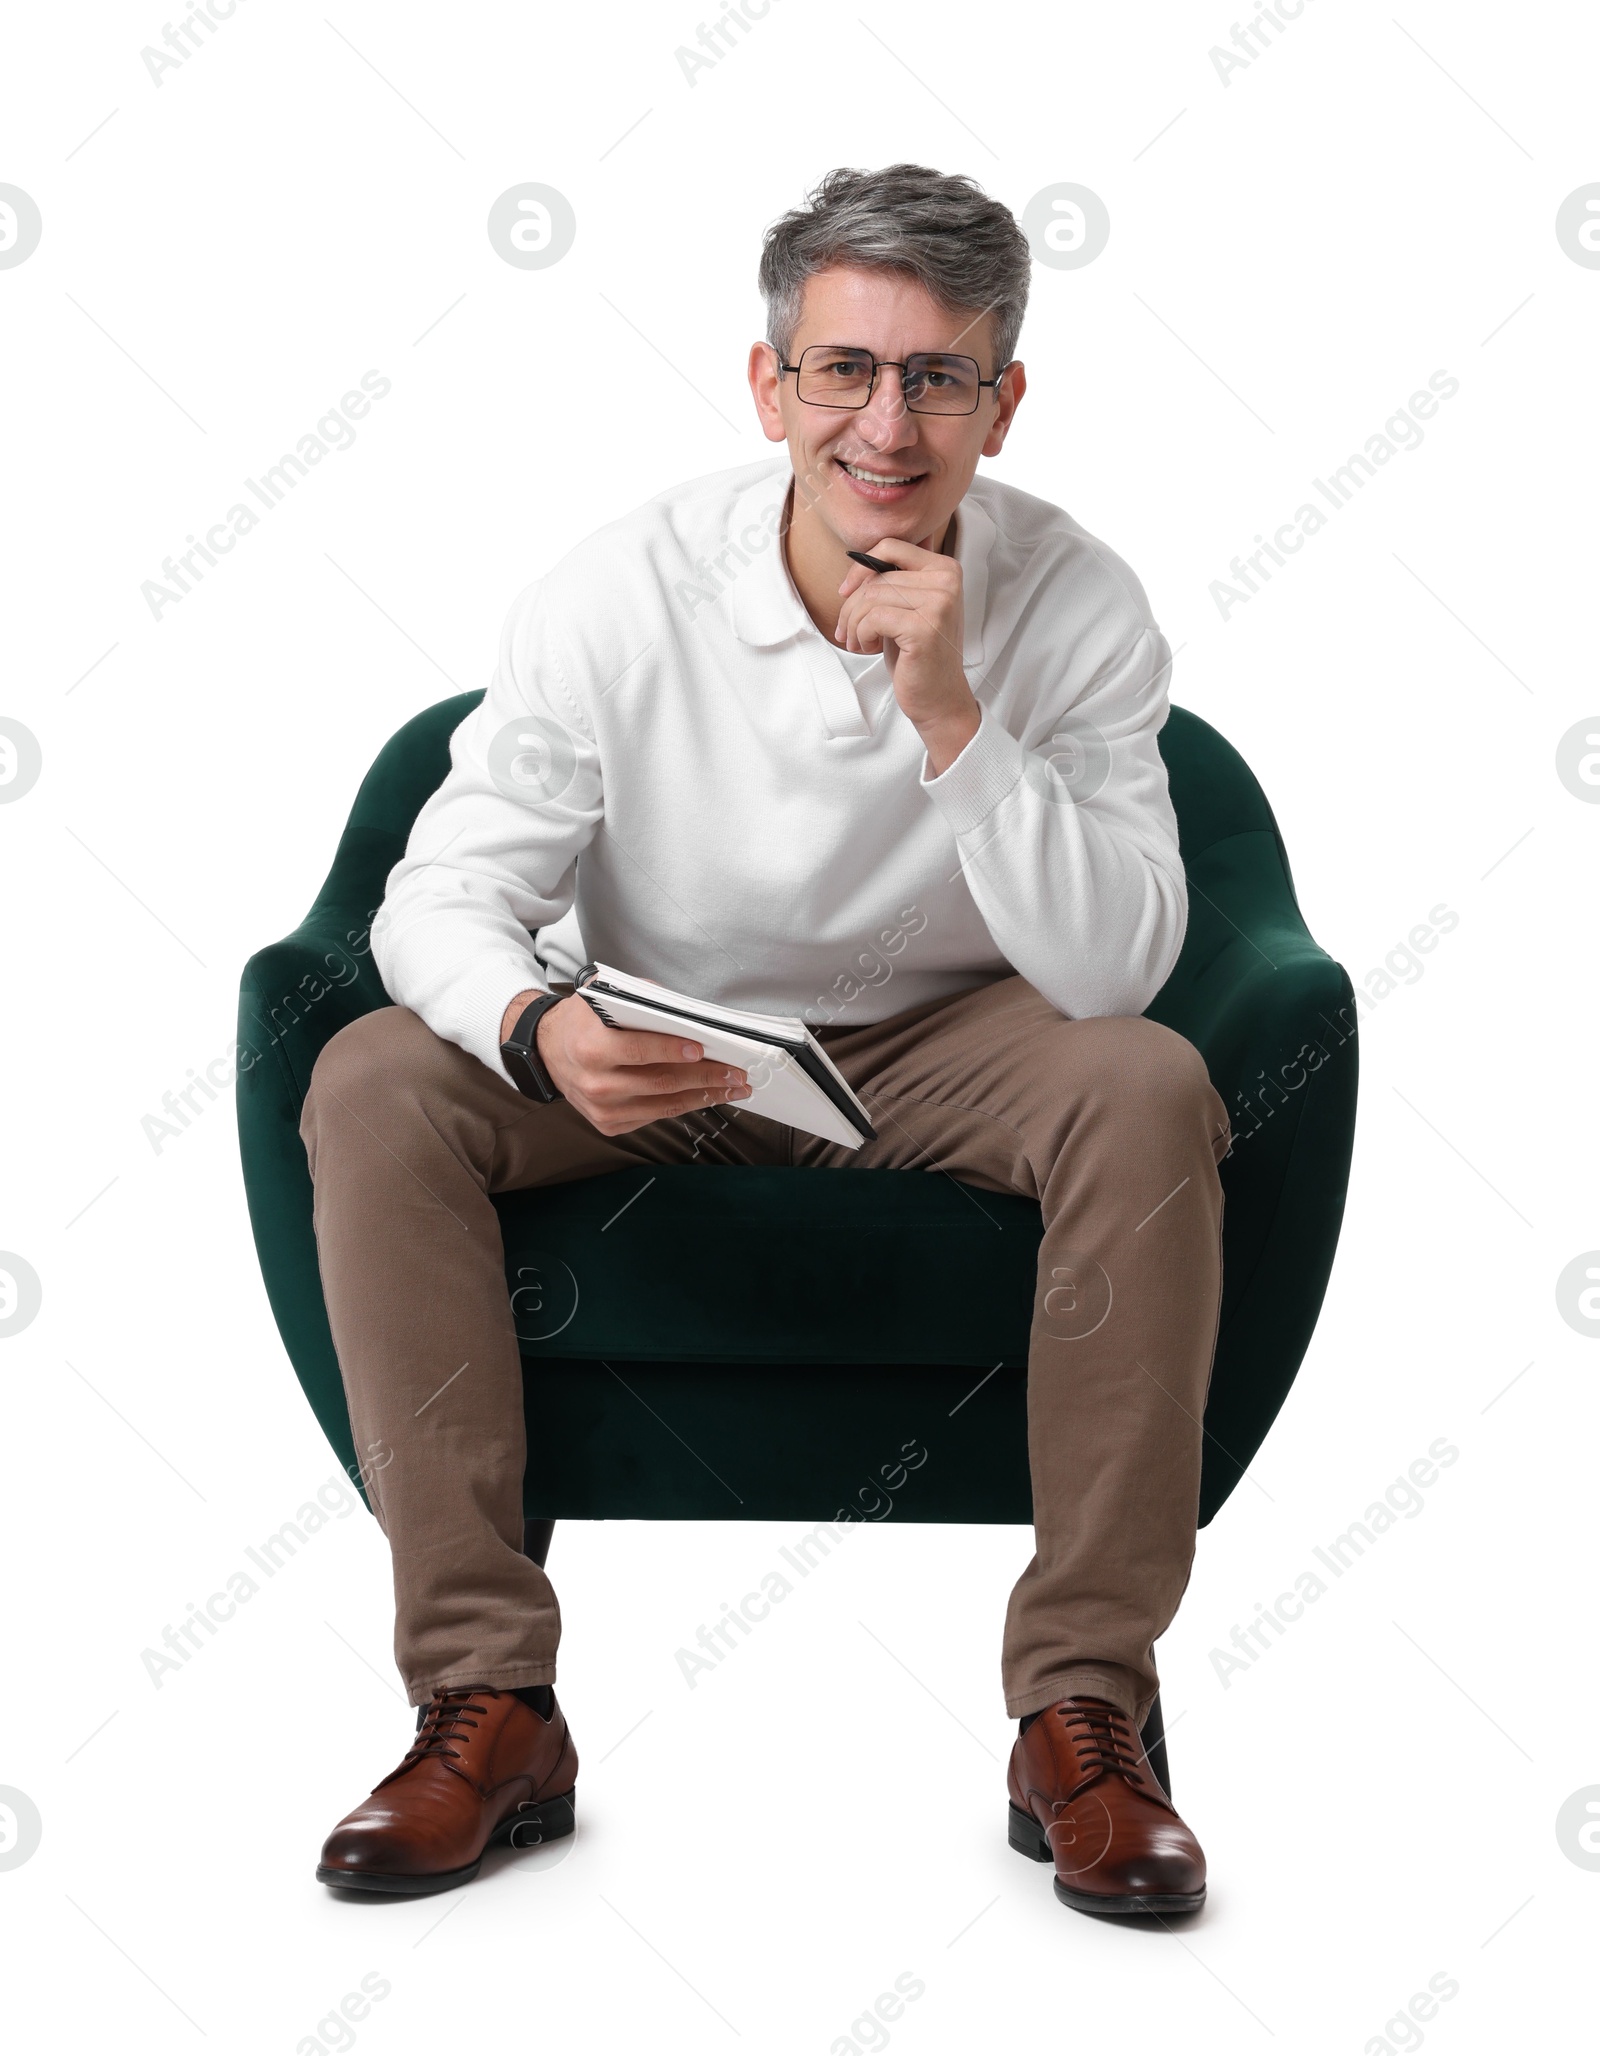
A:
(1153, 1736)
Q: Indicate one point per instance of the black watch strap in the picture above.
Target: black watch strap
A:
(520, 1051)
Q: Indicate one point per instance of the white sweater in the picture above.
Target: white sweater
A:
(674, 771)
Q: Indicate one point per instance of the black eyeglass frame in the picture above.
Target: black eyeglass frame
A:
(891, 364)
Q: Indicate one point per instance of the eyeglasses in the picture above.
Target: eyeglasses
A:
(931, 381)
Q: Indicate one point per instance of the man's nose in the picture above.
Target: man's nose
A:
(884, 421)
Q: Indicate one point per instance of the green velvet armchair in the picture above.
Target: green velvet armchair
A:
(852, 1321)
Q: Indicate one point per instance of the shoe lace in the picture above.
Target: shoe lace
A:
(1104, 1738)
(448, 1716)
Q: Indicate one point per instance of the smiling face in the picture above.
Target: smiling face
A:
(870, 473)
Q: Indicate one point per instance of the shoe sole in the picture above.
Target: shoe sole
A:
(530, 1825)
(1026, 1836)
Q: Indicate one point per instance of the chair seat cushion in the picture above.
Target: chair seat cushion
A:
(736, 1264)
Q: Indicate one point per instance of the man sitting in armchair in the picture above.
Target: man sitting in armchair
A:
(736, 755)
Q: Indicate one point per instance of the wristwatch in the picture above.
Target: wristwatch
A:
(520, 1052)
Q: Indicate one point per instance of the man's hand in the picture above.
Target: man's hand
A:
(623, 1078)
(913, 614)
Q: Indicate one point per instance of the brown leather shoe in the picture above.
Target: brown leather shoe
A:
(484, 1768)
(1083, 1795)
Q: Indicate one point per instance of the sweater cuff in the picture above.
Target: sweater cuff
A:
(478, 1004)
(974, 785)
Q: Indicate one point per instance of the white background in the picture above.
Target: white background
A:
(1371, 200)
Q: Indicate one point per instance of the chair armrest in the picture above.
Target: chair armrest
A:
(295, 995)
(1250, 973)
(1274, 1017)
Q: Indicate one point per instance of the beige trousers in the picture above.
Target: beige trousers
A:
(1111, 1125)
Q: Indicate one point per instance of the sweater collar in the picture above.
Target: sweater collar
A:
(765, 608)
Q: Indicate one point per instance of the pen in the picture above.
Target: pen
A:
(872, 563)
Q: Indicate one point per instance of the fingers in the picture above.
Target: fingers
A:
(659, 1081)
(908, 558)
(687, 1102)
(857, 576)
(901, 608)
(863, 629)
(867, 616)
(645, 1046)
(613, 1085)
(624, 1078)
(894, 549)
(633, 1113)
(641, 1049)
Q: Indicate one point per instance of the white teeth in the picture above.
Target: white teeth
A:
(882, 477)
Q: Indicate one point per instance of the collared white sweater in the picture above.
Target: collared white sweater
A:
(674, 771)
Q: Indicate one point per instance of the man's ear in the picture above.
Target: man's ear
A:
(1013, 384)
(763, 374)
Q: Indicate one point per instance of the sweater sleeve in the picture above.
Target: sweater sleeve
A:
(1069, 842)
(493, 854)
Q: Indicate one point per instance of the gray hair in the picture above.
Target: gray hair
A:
(964, 248)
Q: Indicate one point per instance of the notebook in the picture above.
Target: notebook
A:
(792, 1078)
